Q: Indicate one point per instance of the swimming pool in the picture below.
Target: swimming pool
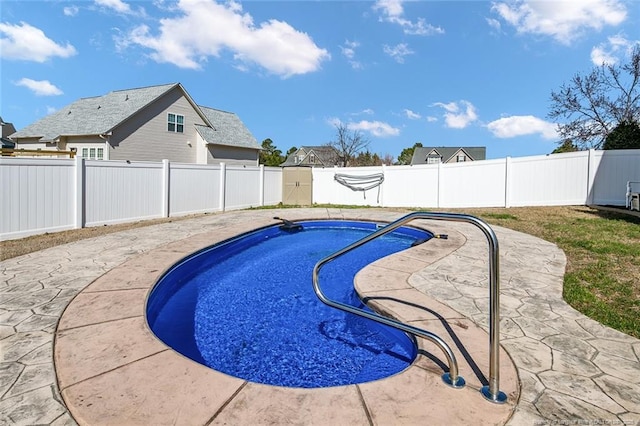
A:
(246, 307)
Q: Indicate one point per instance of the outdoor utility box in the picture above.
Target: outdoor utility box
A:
(634, 202)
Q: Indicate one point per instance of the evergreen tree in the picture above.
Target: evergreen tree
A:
(270, 154)
(625, 136)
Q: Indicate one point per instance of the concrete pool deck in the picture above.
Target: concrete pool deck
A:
(111, 370)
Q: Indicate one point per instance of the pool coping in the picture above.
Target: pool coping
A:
(105, 353)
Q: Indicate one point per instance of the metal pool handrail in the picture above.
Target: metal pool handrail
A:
(490, 392)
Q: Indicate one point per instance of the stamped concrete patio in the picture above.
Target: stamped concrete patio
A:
(111, 371)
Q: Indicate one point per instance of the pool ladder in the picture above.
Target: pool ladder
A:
(492, 391)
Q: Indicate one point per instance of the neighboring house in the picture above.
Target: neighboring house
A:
(7, 129)
(313, 156)
(144, 124)
(445, 154)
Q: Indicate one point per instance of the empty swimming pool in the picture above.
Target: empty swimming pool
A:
(246, 307)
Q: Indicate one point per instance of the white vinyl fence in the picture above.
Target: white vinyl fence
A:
(576, 178)
(45, 195)
(40, 195)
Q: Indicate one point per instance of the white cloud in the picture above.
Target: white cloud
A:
(70, 10)
(349, 52)
(39, 87)
(494, 24)
(203, 28)
(521, 125)
(349, 49)
(411, 115)
(375, 128)
(563, 20)
(51, 110)
(431, 119)
(458, 115)
(366, 111)
(334, 121)
(398, 52)
(393, 11)
(612, 51)
(28, 43)
(116, 5)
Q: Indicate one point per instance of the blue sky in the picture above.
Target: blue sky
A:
(443, 73)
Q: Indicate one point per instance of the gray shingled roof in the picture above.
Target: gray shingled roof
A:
(446, 152)
(326, 155)
(227, 129)
(93, 116)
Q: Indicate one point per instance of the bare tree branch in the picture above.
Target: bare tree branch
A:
(588, 108)
(348, 143)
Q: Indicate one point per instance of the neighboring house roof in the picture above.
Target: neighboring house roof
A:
(94, 116)
(227, 129)
(7, 129)
(325, 156)
(101, 114)
(420, 154)
(7, 143)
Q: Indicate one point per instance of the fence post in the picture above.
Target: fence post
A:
(261, 202)
(223, 185)
(78, 221)
(165, 188)
(591, 176)
(384, 177)
(507, 182)
(439, 177)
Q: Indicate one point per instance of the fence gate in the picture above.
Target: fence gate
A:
(296, 186)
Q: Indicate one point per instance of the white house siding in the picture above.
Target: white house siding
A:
(232, 155)
(144, 136)
(202, 152)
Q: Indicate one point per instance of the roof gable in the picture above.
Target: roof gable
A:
(226, 129)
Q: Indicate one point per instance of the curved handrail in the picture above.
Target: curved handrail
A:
(491, 392)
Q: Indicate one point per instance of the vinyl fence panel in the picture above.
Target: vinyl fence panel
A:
(612, 171)
(193, 188)
(411, 186)
(242, 187)
(551, 180)
(272, 186)
(117, 191)
(472, 184)
(327, 190)
(38, 196)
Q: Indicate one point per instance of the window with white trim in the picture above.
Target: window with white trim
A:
(312, 158)
(93, 153)
(175, 123)
(433, 159)
(461, 158)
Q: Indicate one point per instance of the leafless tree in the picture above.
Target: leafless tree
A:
(387, 159)
(348, 143)
(589, 107)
